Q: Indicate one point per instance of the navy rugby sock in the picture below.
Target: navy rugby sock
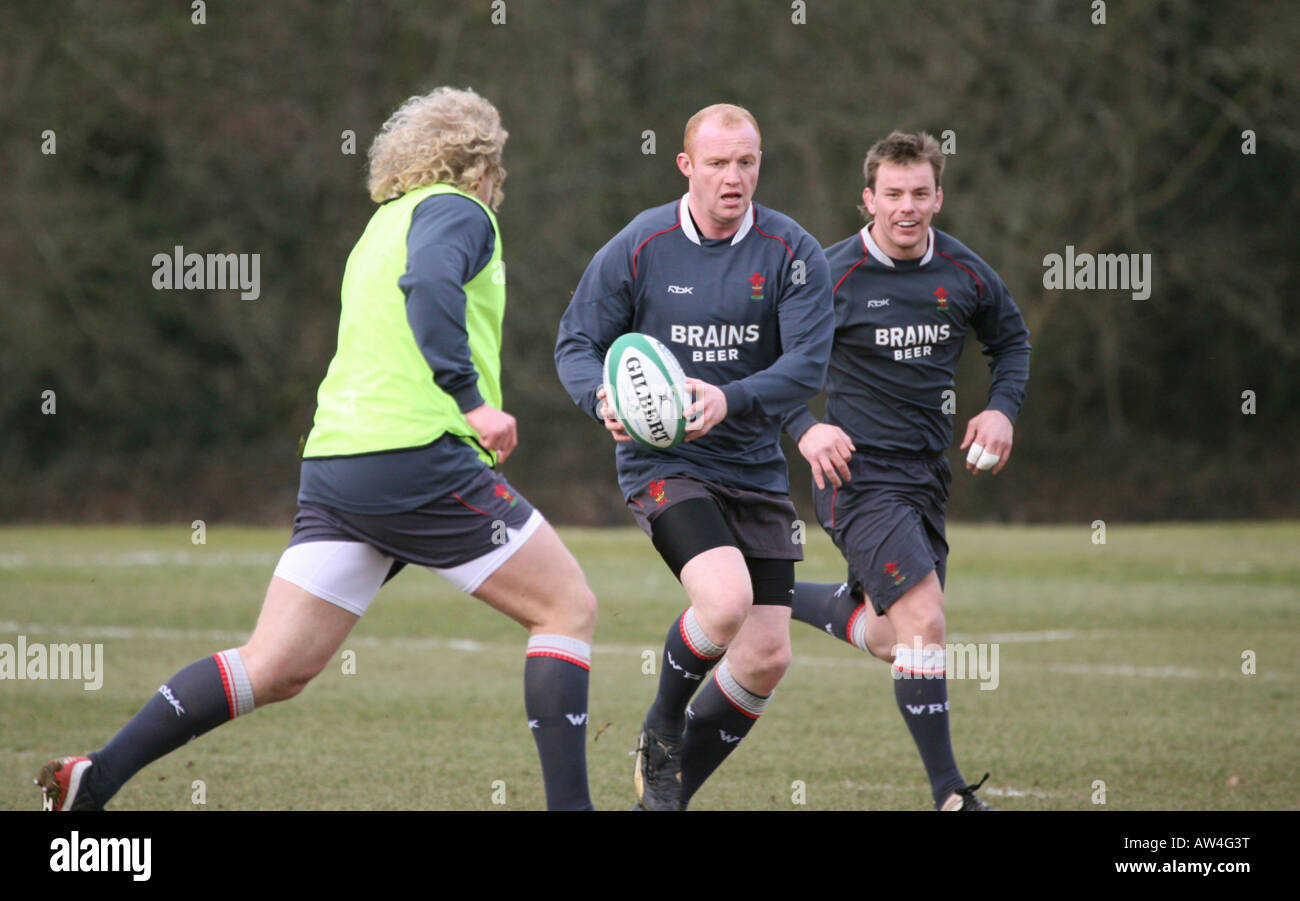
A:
(922, 694)
(721, 715)
(196, 700)
(832, 608)
(556, 674)
(688, 656)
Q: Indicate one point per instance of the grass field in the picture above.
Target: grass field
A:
(1119, 663)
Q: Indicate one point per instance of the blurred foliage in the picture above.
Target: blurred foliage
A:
(226, 137)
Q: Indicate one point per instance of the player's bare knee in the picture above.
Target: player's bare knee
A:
(722, 618)
(567, 609)
(579, 613)
(918, 623)
(281, 690)
(291, 683)
(279, 680)
(772, 666)
(761, 660)
(932, 626)
(883, 648)
(760, 669)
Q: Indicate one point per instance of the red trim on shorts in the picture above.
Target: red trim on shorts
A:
(681, 627)
(225, 684)
(775, 237)
(722, 691)
(649, 239)
(559, 655)
(471, 506)
(968, 272)
(835, 490)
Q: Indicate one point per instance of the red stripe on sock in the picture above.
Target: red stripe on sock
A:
(922, 672)
(681, 627)
(226, 684)
(848, 630)
(723, 692)
(559, 655)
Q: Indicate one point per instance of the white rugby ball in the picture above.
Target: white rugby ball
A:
(647, 389)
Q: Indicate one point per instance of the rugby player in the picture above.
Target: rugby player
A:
(741, 295)
(399, 468)
(906, 295)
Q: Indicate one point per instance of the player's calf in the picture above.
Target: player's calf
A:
(718, 584)
(297, 634)
(202, 696)
(843, 613)
(760, 655)
(730, 703)
(542, 588)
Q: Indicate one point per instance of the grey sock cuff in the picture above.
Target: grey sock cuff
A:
(239, 689)
(749, 703)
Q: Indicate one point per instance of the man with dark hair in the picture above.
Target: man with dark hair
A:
(905, 297)
(741, 295)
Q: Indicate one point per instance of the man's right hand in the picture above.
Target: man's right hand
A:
(827, 449)
(496, 429)
(611, 421)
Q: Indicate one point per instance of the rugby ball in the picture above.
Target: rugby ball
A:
(647, 389)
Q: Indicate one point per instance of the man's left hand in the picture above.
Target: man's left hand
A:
(709, 408)
(991, 431)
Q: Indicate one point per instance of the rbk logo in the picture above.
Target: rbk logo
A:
(678, 289)
(171, 699)
(729, 739)
(576, 719)
(882, 302)
(756, 286)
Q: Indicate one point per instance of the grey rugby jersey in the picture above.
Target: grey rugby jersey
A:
(750, 313)
(899, 330)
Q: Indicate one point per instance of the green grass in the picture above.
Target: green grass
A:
(1139, 683)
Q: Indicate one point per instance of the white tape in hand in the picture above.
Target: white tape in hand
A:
(980, 458)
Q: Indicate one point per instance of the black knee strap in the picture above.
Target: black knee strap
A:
(689, 529)
(773, 580)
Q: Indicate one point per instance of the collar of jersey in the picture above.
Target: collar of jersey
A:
(688, 227)
(881, 257)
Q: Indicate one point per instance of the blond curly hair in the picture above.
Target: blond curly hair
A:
(447, 136)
